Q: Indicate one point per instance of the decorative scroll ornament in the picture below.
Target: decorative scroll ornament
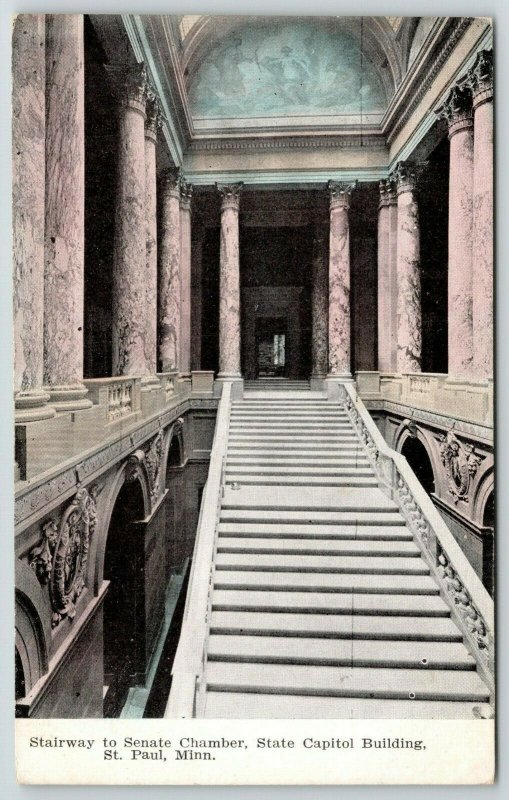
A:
(480, 77)
(133, 464)
(230, 194)
(60, 559)
(340, 192)
(154, 116)
(153, 458)
(460, 464)
(171, 180)
(186, 194)
(129, 84)
(473, 620)
(388, 194)
(457, 109)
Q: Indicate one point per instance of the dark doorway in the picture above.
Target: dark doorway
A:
(271, 337)
(124, 608)
(489, 544)
(417, 457)
(20, 676)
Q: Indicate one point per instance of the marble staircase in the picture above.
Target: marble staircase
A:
(322, 604)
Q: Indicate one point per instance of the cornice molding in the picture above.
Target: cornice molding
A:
(288, 143)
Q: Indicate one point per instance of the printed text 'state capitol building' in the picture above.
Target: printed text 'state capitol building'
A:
(253, 272)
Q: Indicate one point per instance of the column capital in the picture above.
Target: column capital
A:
(230, 194)
(480, 78)
(340, 193)
(154, 116)
(129, 85)
(171, 181)
(407, 174)
(388, 193)
(457, 109)
(186, 194)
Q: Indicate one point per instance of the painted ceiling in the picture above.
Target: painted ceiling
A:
(301, 68)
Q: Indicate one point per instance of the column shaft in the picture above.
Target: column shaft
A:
(458, 112)
(185, 279)
(229, 284)
(152, 126)
(28, 188)
(409, 278)
(198, 233)
(169, 287)
(387, 285)
(339, 281)
(130, 253)
(64, 212)
(481, 81)
(320, 303)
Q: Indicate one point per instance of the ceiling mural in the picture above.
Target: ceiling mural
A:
(299, 68)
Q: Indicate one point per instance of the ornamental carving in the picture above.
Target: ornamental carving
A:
(341, 192)
(388, 195)
(171, 180)
(480, 76)
(461, 464)
(457, 109)
(60, 559)
(230, 194)
(463, 602)
(153, 459)
(154, 115)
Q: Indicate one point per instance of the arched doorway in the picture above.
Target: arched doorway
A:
(20, 683)
(418, 459)
(124, 608)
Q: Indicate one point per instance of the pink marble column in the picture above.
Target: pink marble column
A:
(152, 125)
(481, 82)
(64, 246)
(169, 286)
(320, 303)
(185, 279)
(408, 271)
(130, 250)
(28, 187)
(229, 283)
(198, 235)
(339, 281)
(457, 110)
(387, 283)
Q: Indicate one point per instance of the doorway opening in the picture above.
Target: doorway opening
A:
(124, 608)
(271, 336)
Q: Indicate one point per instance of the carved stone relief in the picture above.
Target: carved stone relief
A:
(60, 558)
(461, 464)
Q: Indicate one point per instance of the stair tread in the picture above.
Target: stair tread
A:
(450, 655)
(320, 602)
(335, 625)
(311, 517)
(307, 563)
(357, 532)
(238, 705)
(331, 583)
(287, 469)
(338, 547)
(348, 681)
(295, 498)
(301, 480)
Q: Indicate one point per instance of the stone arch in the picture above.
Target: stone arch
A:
(33, 626)
(413, 443)
(483, 493)
(174, 450)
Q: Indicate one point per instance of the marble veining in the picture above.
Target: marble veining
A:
(169, 289)
(409, 284)
(229, 302)
(320, 303)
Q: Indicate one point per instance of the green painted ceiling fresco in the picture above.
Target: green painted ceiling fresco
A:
(294, 68)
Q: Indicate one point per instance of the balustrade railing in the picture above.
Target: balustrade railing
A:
(188, 667)
(470, 604)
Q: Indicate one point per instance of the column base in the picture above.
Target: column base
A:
(32, 406)
(317, 382)
(333, 385)
(71, 397)
(235, 379)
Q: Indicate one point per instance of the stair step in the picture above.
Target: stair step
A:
(304, 469)
(358, 533)
(300, 480)
(335, 626)
(308, 498)
(294, 436)
(296, 451)
(325, 603)
(373, 565)
(331, 583)
(340, 652)
(311, 516)
(228, 544)
(397, 684)
(240, 705)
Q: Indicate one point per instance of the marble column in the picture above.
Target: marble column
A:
(339, 281)
(387, 283)
(28, 187)
(152, 125)
(408, 272)
(169, 286)
(480, 79)
(130, 248)
(229, 283)
(198, 235)
(320, 303)
(64, 244)
(457, 110)
(185, 279)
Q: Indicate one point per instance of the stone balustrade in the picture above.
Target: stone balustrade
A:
(118, 406)
(461, 399)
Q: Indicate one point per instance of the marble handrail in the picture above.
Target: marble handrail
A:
(471, 606)
(189, 660)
